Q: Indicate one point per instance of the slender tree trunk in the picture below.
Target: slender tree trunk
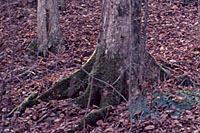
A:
(48, 31)
(42, 33)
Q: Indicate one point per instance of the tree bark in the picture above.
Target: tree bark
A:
(113, 52)
(119, 43)
(48, 31)
(62, 5)
(119, 49)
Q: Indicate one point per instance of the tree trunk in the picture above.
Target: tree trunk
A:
(114, 50)
(119, 48)
(119, 55)
(62, 5)
(48, 31)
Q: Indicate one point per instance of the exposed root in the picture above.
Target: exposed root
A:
(32, 48)
(70, 86)
(29, 102)
(185, 80)
(103, 95)
(94, 116)
(66, 88)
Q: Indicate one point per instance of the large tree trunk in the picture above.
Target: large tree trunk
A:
(119, 41)
(48, 31)
(119, 55)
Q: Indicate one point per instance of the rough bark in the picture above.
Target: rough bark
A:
(110, 63)
(113, 55)
(48, 31)
(62, 5)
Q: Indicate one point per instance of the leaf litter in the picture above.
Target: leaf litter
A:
(172, 33)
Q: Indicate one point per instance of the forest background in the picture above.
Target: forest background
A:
(172, 38)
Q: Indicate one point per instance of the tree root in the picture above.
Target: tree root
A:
(94, 116)
(29, 102)
(102, 94)
(66, 88)
(32, 48)
(70, 86)
(185, 80)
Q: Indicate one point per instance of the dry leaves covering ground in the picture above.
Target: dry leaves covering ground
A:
(172, 39)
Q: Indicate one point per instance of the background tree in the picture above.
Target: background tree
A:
(48, 32)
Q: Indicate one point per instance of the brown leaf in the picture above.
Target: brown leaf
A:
(163, 117)
(196, 131)
(99, 122)
(109, 130)
(190, 117)
(149, 127)
(179, 98)
(188, 112)
(57, 120)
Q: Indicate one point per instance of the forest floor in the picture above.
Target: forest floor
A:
(172, 38)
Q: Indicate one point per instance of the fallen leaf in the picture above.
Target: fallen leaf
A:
(109, 129)
(149, 127)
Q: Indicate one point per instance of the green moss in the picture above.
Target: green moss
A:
(32, 48)
(94, 116)
(67, 87)
(111, 99)
(28, 102)
(106, 69)
(83, 99)
(158, 70)
(70, 86)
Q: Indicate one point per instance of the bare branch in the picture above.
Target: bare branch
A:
(106, 84)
